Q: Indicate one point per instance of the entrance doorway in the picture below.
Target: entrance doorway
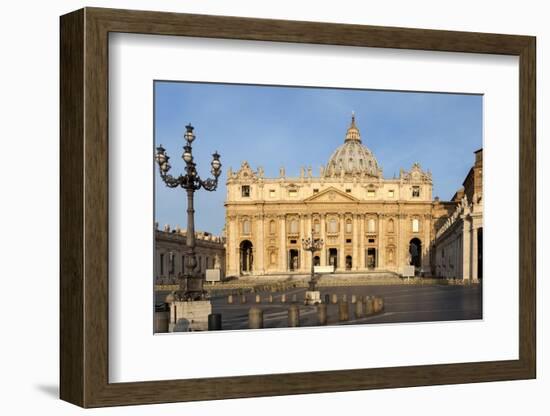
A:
(348, 262)
(293, 259)
(415, 251)
(316, 261)
(333, 257)
(371, 258)
(246, 256)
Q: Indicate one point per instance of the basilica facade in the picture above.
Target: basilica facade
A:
(368, 223)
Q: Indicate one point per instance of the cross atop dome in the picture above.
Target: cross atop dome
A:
(353, 132)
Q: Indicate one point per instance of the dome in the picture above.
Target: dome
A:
(352, 158)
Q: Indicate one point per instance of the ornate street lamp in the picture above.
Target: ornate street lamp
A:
(191, 285)
(312, 244)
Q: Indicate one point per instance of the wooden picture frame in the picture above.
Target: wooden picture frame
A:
(84, 207)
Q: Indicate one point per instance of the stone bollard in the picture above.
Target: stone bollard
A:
(161, 321)
(215, 322)
(327, 299)
(369, 305)
(343, 311)
(283, 298)
(334, 298)
(258, 299)
(255, 318)
(353, 299)
(358, 310)
(270, 298)
(293, 316)
(378, 304)
(322, 313)
(294, 298)
(230, 299)
(243, 298)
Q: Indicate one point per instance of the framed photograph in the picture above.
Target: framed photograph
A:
(255, 207)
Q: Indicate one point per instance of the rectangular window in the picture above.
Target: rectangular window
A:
(349, 227)
(293, 193)
(332, 226)
(391, 193)
(161, 264)
(415, 225)
(272, 193)
(371, 226)
(316, 191)
(348, 240)
(245, 191)
(371, 193)
(416, 191)
(293, 241)
(371, 240)
(348, 191)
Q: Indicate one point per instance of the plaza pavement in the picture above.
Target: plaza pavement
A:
(403, 303)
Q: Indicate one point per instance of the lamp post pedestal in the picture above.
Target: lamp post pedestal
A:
(312, 297)
(189, 315)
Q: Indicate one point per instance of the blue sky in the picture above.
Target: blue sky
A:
(273, 126)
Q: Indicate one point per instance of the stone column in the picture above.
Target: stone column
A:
(426, 232)
(361, 258)
(401, 259)
(324, 237)
(232, 248)
(459, 256)
(342, 245)
(157, 265)
(381, 260)
(260, 246)
(473, 255)
(466, 248)
(282, 244)
(355, 243)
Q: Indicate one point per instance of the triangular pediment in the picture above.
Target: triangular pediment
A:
(331, 195)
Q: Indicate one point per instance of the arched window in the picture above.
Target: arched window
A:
(391, 225)
(371, 225)
(316, 226)
(272, 227)
(415, 225)
(332, 225)
(246, 227)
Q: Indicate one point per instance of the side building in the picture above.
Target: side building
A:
(368, 223)
(171, 252)
(459, 240)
